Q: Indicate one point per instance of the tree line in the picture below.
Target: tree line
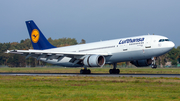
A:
(15, 60)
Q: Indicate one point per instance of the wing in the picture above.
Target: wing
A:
(75, 56)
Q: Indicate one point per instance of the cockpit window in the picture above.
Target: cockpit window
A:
(162, 40)
(166, 39)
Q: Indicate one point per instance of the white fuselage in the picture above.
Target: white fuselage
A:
(119, 50)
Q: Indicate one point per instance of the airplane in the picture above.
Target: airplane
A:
(139, 50)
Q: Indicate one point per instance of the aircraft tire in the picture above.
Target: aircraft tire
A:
(88, 71)
(81, 71)
(84, 71)
(114, 71)
(117, 71)
(110, 71)
(154, 66)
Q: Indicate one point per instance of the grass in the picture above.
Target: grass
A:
(68, 88)
(77, 88)
(93, 70)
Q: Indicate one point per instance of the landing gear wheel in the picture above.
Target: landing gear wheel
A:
(154, 66)
(114, 71)
(85, 71)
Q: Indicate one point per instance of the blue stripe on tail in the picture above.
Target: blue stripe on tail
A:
(38, 40)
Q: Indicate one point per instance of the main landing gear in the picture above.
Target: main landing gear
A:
(114, 70)
(85, 71)
(111, 71)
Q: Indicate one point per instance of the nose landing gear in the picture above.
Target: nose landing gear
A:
(153, 66)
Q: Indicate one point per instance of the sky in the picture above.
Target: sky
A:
(91, 20)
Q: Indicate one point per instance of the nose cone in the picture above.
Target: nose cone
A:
(171, 44)
(167, 46)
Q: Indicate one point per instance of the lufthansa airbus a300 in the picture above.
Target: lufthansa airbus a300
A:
(140, 50)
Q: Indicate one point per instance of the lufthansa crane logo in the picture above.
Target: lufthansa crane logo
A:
(35, 36)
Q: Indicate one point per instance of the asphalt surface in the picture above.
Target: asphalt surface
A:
(92, 75)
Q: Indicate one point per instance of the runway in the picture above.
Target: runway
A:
(92, 75)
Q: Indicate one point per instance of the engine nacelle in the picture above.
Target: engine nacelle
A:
(141, 63)
(94, 61)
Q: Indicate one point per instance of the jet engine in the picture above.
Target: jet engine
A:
(142, 63)
(94, 61)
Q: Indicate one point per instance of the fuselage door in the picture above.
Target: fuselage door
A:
(148, 43)
(125, 47)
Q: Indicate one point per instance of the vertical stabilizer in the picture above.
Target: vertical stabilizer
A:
(38, 40)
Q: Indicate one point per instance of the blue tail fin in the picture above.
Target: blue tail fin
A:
(38, 40)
